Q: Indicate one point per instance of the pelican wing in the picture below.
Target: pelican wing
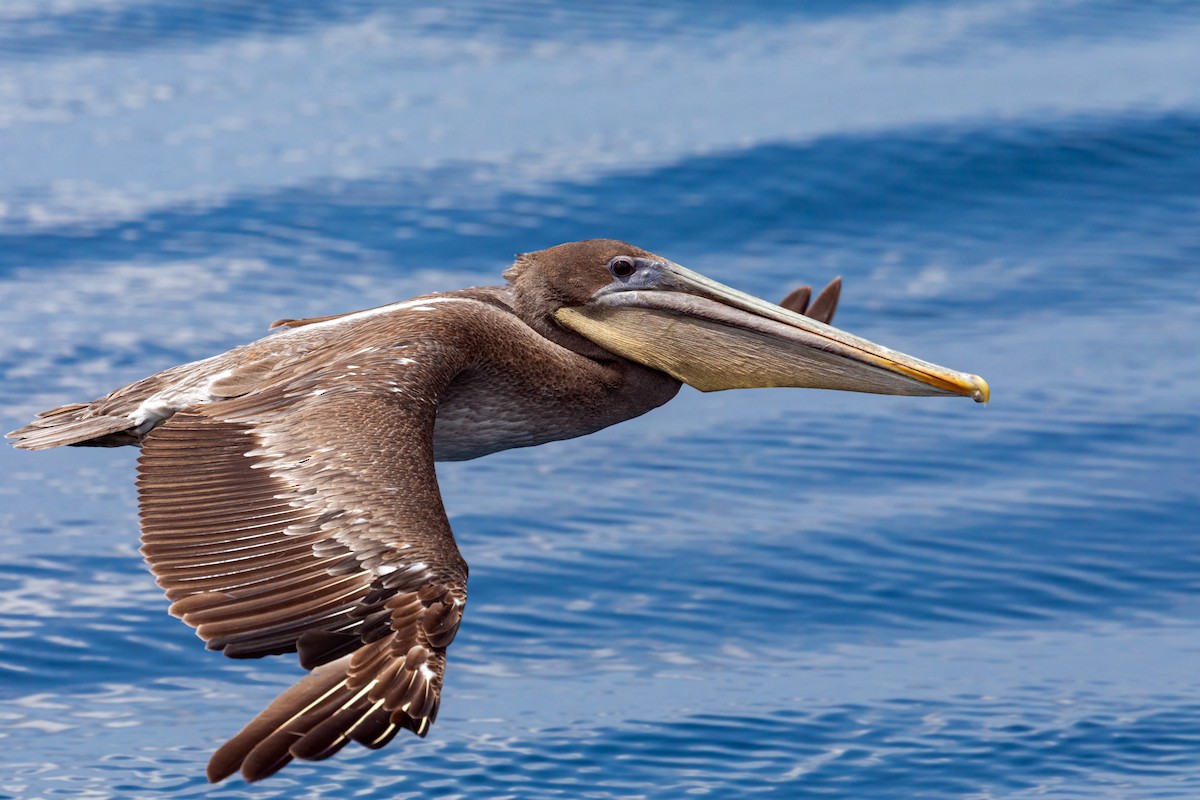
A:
(306, 516)
(822, 309)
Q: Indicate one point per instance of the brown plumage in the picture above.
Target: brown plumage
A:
(822, 308)
(287, 489)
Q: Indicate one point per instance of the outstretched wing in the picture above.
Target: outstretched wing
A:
(822, 309)
(306, 516)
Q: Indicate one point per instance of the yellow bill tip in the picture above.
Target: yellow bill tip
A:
(983, 392)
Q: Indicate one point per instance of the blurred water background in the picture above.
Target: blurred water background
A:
(772, 593)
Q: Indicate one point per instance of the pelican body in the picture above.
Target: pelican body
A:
(287, 490)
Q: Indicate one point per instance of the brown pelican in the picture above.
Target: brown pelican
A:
(287, 489)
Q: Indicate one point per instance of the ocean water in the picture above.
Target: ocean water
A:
(777, 593)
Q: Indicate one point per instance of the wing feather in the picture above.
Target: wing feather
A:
(289, 503)
(292, 519)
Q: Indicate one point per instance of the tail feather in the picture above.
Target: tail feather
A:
(125, 415)
(75, 424)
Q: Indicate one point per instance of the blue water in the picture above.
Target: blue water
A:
(771, 593)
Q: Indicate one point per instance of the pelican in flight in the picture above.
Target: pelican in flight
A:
(287, 490)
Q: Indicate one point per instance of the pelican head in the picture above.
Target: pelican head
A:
(650, 310)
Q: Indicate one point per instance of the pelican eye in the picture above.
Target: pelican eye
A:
(622, 267)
